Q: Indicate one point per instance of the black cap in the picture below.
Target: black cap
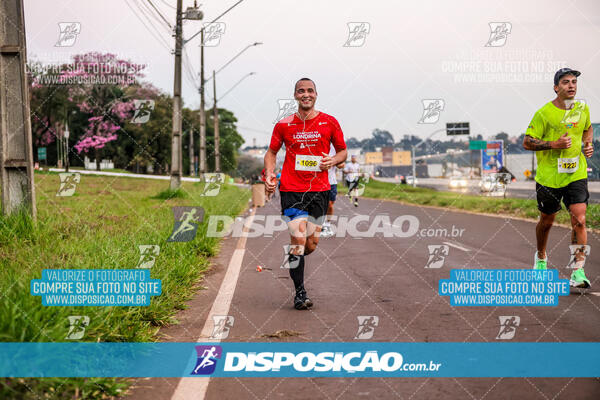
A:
(564, 71)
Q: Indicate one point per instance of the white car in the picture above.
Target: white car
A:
(410, 179)
(458, 182)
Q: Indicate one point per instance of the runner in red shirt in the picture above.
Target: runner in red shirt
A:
(304, 190)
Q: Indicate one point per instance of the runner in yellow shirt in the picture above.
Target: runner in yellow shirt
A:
(556, 133)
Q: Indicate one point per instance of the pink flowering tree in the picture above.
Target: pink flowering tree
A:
(98, 86)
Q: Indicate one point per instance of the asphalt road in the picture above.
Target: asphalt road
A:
(520, 190)
(386, 277)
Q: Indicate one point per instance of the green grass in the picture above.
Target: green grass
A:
(74, 169)
(524, 208)
(100, 227)
(169, 194)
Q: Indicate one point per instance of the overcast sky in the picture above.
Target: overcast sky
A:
(413, 51)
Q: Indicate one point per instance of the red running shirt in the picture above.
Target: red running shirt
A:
(312, 137)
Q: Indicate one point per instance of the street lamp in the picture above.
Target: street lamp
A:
(202, 102)
(234, 57)
(452, 129)
(234, 86)
(216, 117)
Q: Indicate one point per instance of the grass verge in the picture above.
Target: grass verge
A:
(100, 227)
(523, 208)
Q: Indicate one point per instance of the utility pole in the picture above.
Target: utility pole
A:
(191, 151)
(414, 167)
(216, 126)
(16, 152)
(66, 150)
(202, 112)
(59, 150)
(176, 162)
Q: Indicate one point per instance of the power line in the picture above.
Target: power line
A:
(191, 74)
(149, 14)
(159, 39)
(145, 15)
(219, 16)
(162, 16)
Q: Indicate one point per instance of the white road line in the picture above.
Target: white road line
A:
(195, 388)
(456, 246)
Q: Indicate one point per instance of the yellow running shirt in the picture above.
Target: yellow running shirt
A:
(559, 167)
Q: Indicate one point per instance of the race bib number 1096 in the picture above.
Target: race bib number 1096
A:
(307, 163)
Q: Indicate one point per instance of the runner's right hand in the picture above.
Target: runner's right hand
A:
(270, 182)
(564, 142)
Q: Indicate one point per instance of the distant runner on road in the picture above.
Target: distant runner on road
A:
(327, 230)
(556, 133)
(307, 135)
(352, 170)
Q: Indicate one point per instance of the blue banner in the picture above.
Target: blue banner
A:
(303, 359)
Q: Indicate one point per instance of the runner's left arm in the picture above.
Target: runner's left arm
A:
(339, 144)
(337, 139)
(588, 141)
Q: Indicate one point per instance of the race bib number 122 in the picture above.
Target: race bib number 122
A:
(568, 165)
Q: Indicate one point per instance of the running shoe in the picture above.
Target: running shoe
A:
(307, 302)
(540, 263)
(326, 231)
(355, 202)
(579, 280)
(301, 302)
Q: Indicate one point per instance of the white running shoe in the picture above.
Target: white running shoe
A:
(326, 231)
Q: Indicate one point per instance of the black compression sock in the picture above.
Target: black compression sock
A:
(297, 273)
